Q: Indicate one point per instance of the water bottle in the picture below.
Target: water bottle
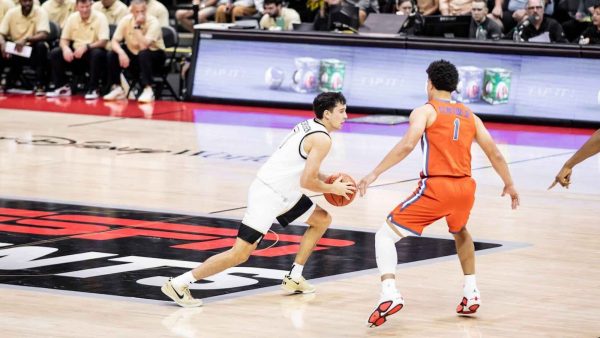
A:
(280, 23)
(480, 33)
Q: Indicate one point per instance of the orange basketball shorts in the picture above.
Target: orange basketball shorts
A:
(434, 198)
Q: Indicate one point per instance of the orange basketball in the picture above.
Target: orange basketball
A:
(338, 200)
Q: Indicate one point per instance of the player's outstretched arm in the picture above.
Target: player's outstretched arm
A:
(485, 141)
(317, 146)
(590, 148)
(417, 123)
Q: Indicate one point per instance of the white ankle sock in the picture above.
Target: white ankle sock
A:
(470, 284)
(296, 271)
(183, 280)
(388, 286)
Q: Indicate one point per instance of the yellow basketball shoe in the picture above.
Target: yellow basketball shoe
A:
(181, 296)
(293, 286)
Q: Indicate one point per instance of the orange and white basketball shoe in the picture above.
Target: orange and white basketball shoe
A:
(470, 303)
(387, 306)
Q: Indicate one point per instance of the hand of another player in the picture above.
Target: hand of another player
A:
(345, 189)
(365, 182)
(563, 178)
(514, 195)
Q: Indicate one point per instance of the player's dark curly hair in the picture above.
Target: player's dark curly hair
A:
(443, 75)
(327, 101)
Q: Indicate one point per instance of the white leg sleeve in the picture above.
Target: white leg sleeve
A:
(385, 249)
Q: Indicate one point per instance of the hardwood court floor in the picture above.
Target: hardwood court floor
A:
(200, 159)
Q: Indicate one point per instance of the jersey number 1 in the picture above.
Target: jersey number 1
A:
(456, 129)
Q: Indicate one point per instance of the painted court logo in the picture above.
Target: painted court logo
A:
(132, 253)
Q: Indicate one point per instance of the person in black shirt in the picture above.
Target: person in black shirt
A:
(482, 28)
(541, 24)
(591, 35)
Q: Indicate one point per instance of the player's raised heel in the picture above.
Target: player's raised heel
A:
(387, 306)
(300, 286)
(182, 297)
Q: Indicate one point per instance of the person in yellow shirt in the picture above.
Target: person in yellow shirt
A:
(82, 47)
(137, 46)
(114, 10)
(25, 25)
(59, 10)
(277, 17)
(159, 11)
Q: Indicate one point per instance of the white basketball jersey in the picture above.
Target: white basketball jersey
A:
(283, 169)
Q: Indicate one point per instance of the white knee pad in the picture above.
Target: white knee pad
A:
(385, 249)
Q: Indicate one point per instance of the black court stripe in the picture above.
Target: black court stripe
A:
(418, 178)
(123, 118)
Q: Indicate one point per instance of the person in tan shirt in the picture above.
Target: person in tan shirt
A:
(25, 25)
(159, 11)
(114, 10)
(137, 46)
(82, 47)
(277, 17)
(59, 10)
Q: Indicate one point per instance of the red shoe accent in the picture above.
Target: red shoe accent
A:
(384, 306)
(394, 310)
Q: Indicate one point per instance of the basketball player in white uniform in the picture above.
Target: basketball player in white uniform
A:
(276, 194)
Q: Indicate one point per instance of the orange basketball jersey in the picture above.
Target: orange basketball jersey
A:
(446, 144)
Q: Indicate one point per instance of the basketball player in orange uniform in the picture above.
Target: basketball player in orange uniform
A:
(590, 148)
(446, 130)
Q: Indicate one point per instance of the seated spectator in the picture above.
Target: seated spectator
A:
(580, 15)
(403, 7)
(59, 10)
(455, 7)
(159, 11)
(365, 7)
(228, 11)
(517, 12)
(278, 17)
(142, 53)
(25, 25)
(114, 10)
(185, 17)
(408, 8)
(82, 47)
(542, 28)
(591, 36)
(482, 27)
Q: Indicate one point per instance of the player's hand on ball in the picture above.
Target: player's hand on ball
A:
(342, 188)
(563, 178)
(365, 182)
